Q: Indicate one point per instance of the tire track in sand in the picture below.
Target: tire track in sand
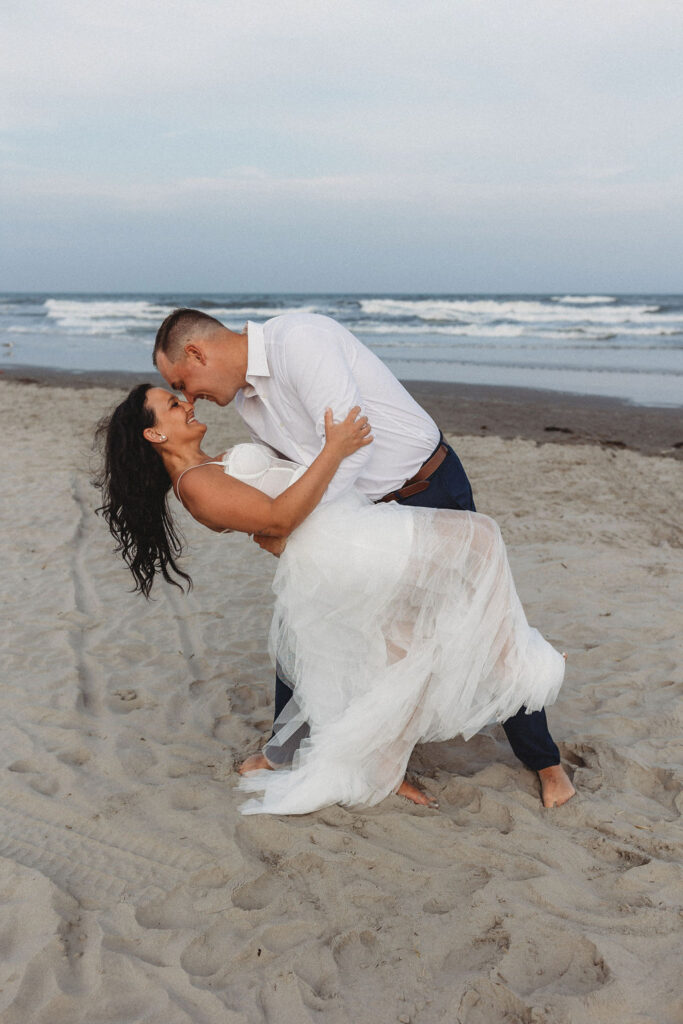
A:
(89, 613)
(89, 858)
(189, 640)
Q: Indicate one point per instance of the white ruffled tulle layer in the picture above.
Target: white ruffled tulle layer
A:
(396, 626)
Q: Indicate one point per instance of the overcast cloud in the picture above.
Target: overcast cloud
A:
(491, 146)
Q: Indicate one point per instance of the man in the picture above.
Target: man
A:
(282, 376)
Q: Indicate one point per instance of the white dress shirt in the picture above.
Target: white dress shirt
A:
(300, 364)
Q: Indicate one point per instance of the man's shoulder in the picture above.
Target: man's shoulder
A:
(295, 323)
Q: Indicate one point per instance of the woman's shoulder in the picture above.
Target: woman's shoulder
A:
(192, 482)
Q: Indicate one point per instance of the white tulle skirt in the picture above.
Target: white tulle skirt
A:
(395, 625)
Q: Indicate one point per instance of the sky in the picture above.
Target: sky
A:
(317, 146)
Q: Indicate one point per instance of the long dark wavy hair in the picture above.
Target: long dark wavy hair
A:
(135, 486)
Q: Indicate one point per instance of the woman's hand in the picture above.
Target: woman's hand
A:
(347, 437)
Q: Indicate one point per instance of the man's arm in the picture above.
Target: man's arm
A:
(318, 371)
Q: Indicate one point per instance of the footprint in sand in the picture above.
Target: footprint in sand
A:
(587, 774)
(486, 1002)
(477, 956)
(76, 757)
(616, 855)
(209, 952)
(355, 951)
(259, 893)
(124, 701)
(173, 910)
(189, 797)
(472, 880)
(43, 783)
(23, 766)
(555, 961)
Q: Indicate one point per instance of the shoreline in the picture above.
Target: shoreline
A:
(547, 417)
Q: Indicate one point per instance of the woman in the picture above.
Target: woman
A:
(396, 624)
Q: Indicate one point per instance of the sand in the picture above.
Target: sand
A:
(131, 889)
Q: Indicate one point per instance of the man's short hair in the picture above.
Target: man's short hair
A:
(179, 328)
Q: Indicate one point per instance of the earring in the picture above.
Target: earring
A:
(162, 437)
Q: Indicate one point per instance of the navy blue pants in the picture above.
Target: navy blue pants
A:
(527, 734)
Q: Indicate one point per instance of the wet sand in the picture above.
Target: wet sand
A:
(543, 416)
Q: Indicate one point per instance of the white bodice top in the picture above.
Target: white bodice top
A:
(253, 464)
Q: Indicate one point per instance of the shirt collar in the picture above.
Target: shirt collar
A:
(257, 361)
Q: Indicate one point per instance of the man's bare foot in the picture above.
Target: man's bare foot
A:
(556, 786)
(411, 792)
(255, 763)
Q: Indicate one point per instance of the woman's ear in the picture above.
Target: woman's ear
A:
(150, 434)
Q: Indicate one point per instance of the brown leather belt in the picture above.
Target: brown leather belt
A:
(419, 482)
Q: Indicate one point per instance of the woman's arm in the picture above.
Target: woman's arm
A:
(223, 503)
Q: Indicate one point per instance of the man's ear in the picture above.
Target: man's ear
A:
(196, 352)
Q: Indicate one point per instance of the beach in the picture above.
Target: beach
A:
(132, 889)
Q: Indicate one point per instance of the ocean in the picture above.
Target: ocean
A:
(621, 346)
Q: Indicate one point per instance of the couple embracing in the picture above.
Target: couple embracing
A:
(396, 618)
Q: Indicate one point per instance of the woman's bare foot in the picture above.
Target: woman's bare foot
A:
(255, 763)
(556, 786)
(411, 792)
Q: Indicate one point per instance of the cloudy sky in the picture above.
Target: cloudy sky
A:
(320, 145)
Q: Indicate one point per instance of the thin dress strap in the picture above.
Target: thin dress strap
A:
(176, 485)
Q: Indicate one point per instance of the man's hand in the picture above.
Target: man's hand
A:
(276, 545)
